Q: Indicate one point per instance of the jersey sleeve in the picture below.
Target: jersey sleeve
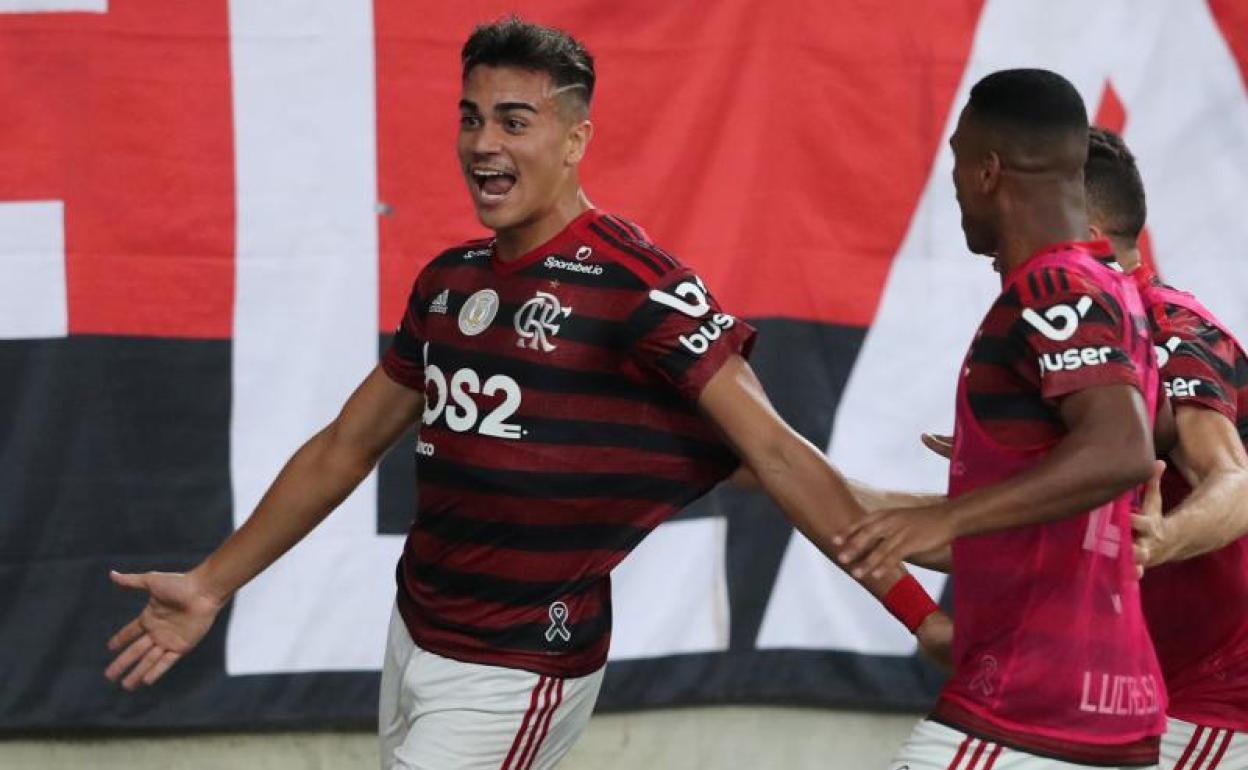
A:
(404, 359)
(1197, 364)
(681, 335)
(1071, 337)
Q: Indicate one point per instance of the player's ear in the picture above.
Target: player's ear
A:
(1095, 233)
(579, 135)
(990, 172)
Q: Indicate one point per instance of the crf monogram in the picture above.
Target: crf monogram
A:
(536, 320)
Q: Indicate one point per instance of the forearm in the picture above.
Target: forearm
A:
(817, 500)
(1213, 516)
(873, 499)
(313, 482)
(1075, 477)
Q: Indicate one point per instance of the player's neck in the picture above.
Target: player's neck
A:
(1127, 256)
(515, 242)
(1039, 223)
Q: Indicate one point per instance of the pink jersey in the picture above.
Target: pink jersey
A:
(1197, 609)
(1051, 651)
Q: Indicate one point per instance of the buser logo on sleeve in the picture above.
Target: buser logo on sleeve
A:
(1060, 321)
(1074, 358)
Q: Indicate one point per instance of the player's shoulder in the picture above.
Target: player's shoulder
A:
(1189, 327)
(468, 254)
(1081, 288)
(1044, 281)
(475, 250)
(628, 245)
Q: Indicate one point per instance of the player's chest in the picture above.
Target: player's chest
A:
(529, 323)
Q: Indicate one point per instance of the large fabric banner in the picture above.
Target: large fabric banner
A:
(211, 213)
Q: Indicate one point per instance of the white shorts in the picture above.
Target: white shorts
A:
(441, 714)
(933, 746)
(1186, 746)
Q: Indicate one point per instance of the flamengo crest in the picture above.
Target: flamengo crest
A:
(536, 321)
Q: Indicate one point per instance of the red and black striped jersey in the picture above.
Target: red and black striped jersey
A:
(1048, 335)
(1197, 609)
(560, 427)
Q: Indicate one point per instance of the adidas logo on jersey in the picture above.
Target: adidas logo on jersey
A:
(440, 302)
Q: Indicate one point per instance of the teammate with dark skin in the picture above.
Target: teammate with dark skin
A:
(1020, 190)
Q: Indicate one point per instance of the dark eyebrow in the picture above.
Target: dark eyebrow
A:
(468, 106)
(509, 106)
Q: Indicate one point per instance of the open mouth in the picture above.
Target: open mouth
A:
(492, 185)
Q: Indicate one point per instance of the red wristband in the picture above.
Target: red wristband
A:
(909, 603)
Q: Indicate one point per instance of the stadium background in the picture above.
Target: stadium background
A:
(211, 213)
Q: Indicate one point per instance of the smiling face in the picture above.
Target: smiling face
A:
(520, 142)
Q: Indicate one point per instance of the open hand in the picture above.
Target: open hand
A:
(177, 615)
(882, 538)
(1149, 525)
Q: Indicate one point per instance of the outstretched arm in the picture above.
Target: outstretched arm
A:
(1211, 455)
(1107, 450)
(182, 607)
(799, 478)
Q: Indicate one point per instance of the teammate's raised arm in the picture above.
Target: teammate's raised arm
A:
(182, 607)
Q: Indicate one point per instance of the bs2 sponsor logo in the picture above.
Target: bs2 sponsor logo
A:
(452, 400)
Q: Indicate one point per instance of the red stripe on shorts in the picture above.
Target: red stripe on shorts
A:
(958, 757)
(547, 698)
(992, 758)
(1191, 746)
(1217, 757)
(524, 725)
(979, 750)
(545, 728)
(1200, 758)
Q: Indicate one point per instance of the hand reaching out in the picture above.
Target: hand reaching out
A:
(883, 538)
(1149, 526)
(178, 614)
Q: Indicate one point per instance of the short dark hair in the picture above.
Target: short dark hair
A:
(513, 42)
(1030, 102)
(1115, 190)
